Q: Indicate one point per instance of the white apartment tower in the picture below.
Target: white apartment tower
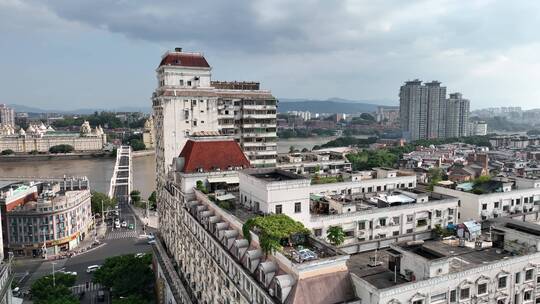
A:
(186, 101)
(457, 116)
(7, 116)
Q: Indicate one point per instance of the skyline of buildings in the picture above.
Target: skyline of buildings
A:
(426, 112)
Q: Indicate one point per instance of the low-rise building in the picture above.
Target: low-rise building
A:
(501, 268)
(41, 138)
(516, 197)
(45, 217)
(316, 162)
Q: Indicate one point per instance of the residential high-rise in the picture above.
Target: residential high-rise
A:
(425, 113)
(7, 115)
(187, 102)
(457, 116)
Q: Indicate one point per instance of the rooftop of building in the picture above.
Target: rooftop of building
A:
(461, 258)
(270, 175)
(184, 59)
(211, 154)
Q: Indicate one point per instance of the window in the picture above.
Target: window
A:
(484, 206)
(453, 297)
(194, 123)
(395, 219)
(382, 222)
(464, 293)
(527, 295)
(418, 302)
(279, 209)
(502, 282)
(501, 301)
(409, 230)
(517, 277)
(528, 274)
(361, 225)
(297, 207)
(395, 233)
(317, 232)
(181, 82)
(349, 233)
(496, 204)
(439, 297)
(482, 288)
(189, 83)
(518, 201)
(409, 218)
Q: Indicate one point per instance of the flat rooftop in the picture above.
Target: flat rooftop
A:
(460, 259)
(273, 175)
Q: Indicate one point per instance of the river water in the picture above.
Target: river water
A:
(99, 170)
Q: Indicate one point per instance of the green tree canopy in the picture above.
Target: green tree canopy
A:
(137, 145)
(272, 229)
(335, 235)
(61, 149)
(135, 196)
(98, 198)
(45, 292)
(128, 276)
(7, 152)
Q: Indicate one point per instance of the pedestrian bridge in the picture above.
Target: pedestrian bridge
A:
(122, 178)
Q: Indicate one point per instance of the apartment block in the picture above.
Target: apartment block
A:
(516, 197)
(498, 268)
(426, 113)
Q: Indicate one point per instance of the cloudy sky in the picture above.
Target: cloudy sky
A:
(66, 54)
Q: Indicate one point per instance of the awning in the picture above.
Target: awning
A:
(225, 197)
(224, 179)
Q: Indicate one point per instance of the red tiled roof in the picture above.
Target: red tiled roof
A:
(185, 59)
(212, 154)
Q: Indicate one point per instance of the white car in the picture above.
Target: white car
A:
(92, 268)
(124, 224)
(74, 273)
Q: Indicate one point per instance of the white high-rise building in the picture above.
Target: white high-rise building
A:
(187, 102)
(457, 116)
(7, 116)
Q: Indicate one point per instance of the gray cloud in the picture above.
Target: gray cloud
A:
(346, 48)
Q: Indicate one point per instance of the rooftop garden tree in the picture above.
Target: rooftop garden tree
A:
(48, 290)
(274, 231)
(335, 235)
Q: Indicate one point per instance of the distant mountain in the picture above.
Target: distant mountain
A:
(331, 105)
(22, 108)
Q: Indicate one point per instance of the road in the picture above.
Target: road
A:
(117, 242)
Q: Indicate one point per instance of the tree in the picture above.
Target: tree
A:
(8, 152)
(100, 199)
(135, 196)
(45, 292)
(128, 276)
(305, 150)
(201, 187)
(335, 235)
(137, 144)
(152, 200)
(61, 149)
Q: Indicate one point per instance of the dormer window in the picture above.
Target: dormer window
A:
(182, 82)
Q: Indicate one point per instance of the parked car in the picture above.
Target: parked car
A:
(124, 224)
(92, 268)
(131, 226)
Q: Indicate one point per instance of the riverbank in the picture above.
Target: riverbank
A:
(47, 157)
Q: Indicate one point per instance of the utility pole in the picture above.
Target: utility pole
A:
(53, 278)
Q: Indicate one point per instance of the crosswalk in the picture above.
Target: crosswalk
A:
(121, 234)
(90, 286)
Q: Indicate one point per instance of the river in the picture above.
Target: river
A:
(99, 170)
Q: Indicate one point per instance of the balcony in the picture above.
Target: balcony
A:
(259, 144)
